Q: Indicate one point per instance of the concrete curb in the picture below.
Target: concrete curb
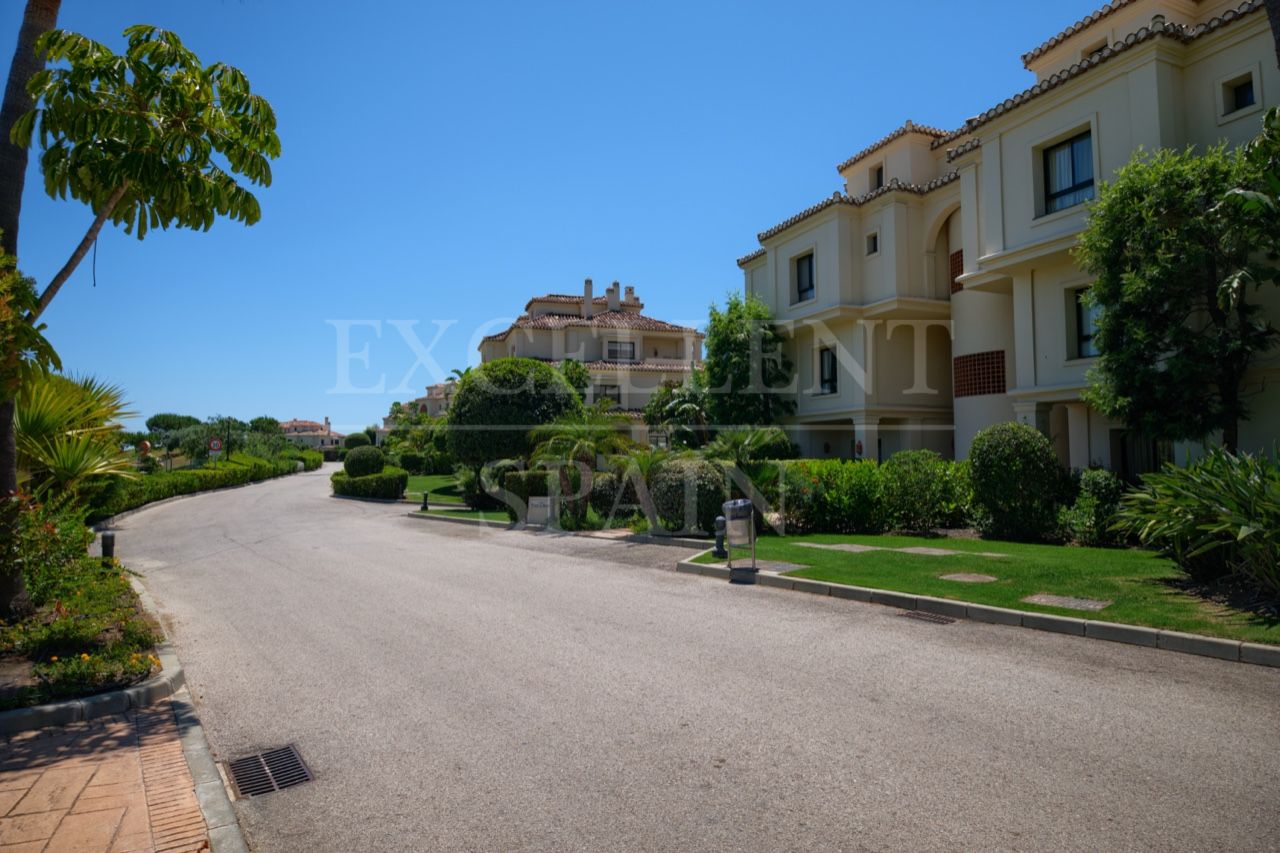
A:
(365, 500)
(220, 820)
(637, 538)
(475, 522)
(1173, 641)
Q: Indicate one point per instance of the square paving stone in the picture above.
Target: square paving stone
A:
(928, 552)
(848, 547)
(1066, 601)
(969, 577)
(772, 565)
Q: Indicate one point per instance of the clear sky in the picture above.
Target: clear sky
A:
(445, 162)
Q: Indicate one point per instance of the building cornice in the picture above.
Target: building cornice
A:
(907, 127)
(894, 186)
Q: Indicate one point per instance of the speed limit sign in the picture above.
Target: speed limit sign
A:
(215, 446)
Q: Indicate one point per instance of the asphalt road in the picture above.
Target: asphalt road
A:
(460, 689)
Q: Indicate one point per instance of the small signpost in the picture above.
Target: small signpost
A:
(215, 449)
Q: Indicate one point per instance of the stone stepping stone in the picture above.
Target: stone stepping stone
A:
(1066, 601)
(929, 552)
(771, 565)
(989, 554)
(843, 546)
(969, 577)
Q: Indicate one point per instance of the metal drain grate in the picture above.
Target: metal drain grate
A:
(268, 771)
(923, 616)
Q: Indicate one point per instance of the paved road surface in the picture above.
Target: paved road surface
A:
(457, 689)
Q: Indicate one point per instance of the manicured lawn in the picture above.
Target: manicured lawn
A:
(1139, 584)
(441, 488)
(494, 515)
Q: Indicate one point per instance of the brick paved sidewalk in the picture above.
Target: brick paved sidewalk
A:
(116, 784)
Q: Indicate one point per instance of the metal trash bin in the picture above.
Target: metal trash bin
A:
(740, 532)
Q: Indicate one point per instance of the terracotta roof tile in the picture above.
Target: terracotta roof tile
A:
(603, 320)
(751, 256)
(908, 127)
(1082, 24)
(963, 148)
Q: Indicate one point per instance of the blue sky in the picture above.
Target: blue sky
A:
(445, 162)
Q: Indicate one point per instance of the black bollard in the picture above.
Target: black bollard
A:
(108, 547)
(720, 551)
(424, 502)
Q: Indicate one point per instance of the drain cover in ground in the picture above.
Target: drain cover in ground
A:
(1066, 601)
(969, 577)
(843, 546)
(273, 770)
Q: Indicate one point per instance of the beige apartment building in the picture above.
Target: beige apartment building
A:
(936, 293)
(312, 434)
(628, 354)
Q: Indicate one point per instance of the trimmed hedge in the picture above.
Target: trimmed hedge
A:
(832, 496)
(389, 484)
(363, 461)
(528, 484)
(1017, 482)
(705, 483)
(118, 495)
(916, 489)
(356, 439)
(414, 463)
(605, 498)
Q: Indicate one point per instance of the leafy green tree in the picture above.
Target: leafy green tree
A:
(747, 371)
(499, 402)
(168, 422)
(681, 410)
(148, 138)
(580, 439)
(68, 432)
(266, 425)
(577, 375)
(1176, 280)
(371, 432)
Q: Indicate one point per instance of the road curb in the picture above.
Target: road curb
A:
(225, 835)
(475, 522)
(1115, 632)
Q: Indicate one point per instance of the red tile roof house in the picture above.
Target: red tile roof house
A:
(629, 355)
(312, 433)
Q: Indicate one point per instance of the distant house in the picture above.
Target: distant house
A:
(311, 433)
(628, 355)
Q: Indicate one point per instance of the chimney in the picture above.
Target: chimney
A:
(326, 425)
(630, 295)
(588, 296)
(612, 293)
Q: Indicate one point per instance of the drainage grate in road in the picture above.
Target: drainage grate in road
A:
(934, 618)
(273, 770)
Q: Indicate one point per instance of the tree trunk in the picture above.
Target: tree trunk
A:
(39, 17)
(1273, 15)
(78, 255)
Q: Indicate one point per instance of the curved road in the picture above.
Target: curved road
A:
(461, 689)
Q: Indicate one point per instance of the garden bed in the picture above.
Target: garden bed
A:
(1140, 587)
(88, 634)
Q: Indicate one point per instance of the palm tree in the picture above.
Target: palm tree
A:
(68, 430)
(580, 438)
(746, 445)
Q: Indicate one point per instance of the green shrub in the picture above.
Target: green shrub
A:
(1088, 520)
(527, 484)
(413, 462)
(1017, 482)
(479, 485)
(612, 496)
(51, 538)
(331, 454)
(499, 402)
(388, 484)
(958, 501)
(311, 459)
(436, 461)
(356, 439)
(363, 461)
(116, 495)
(688, 494)
(831, 496)
(1217, 516)
(915, 490)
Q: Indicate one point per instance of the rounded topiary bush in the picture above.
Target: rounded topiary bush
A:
(413, 462)
(499, 402)
(1017, 482)
(688, 494)
(363, 461)
(356, 439)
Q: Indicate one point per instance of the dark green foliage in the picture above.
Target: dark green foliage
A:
(479, 486)
(499, 402)
(1088, 520)
(747, 372)
(1017, 482)
(916, 490)
(688, 494)
(681, 410)
(266, 425)
(116, 495)
(331, 454)
(414, 463)
(1217, 516)
(363, 461)
(523, 485)
(389, 484)
(51, 537)
(611, 496)
(1177, 335)
(356, 439)
(576, 374)
(168, 422)
(831, 496)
